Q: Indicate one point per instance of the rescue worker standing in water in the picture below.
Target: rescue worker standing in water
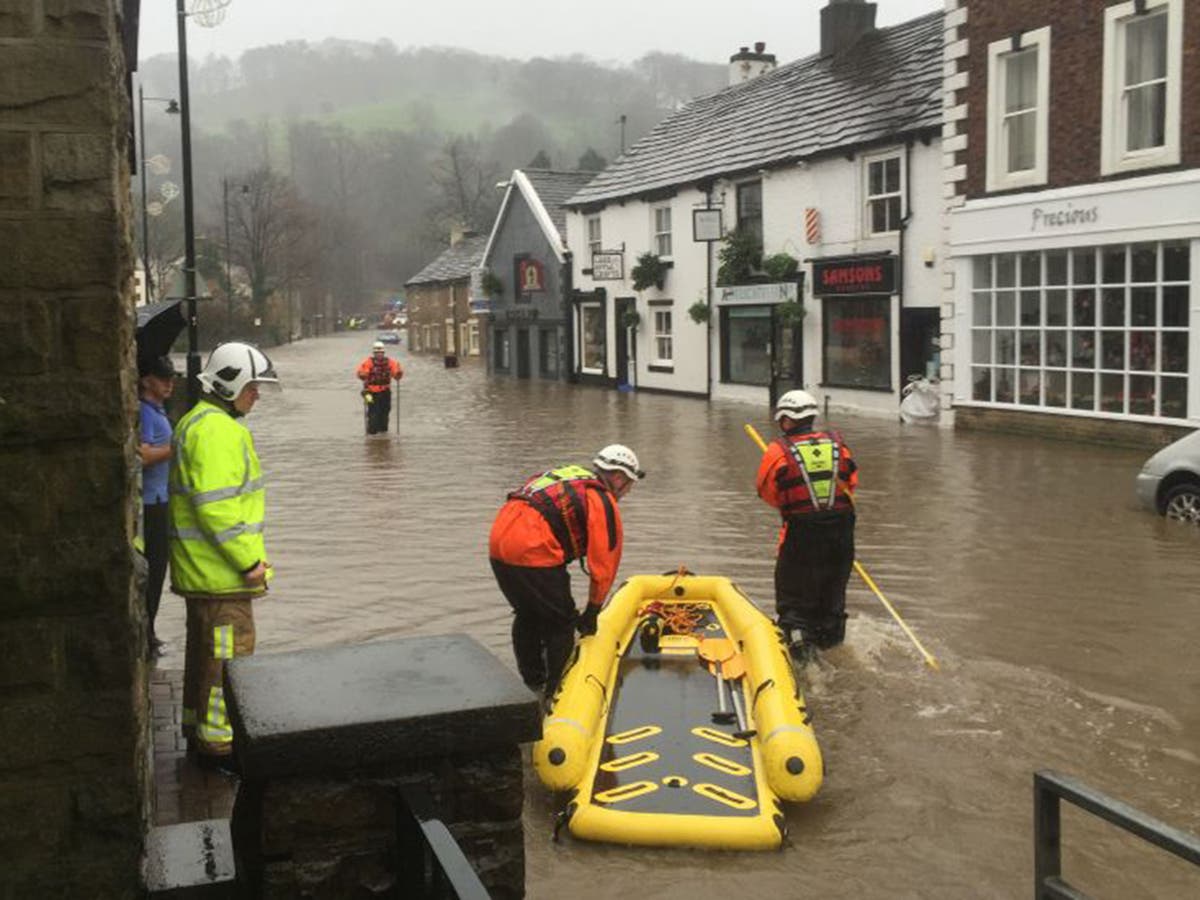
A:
(377, 372)
(217, 507)
(810, 477)
(561, 515)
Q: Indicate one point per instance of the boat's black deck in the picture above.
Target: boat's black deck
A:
(663, 704)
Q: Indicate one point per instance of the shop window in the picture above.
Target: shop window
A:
(1018, 110)
(746, 345)
(857, 342)
(1141, 105)
(595, 242)
(1096, 329)
(885, 193)
(749, 209)
(662, 231)
(663, 348)
(591, 338)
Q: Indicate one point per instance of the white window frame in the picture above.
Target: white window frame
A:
(583, 309)
(663, 337)
(1114, 158)
(661, 238)
(998, 179)
(594, 236)
(473, 337)
(868, 161)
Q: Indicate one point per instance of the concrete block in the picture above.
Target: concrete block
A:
(16, 169)
(77, 19)
(78, 172)
(193, 861)
(342, 708)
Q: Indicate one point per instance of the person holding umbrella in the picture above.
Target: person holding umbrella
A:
(156, 382)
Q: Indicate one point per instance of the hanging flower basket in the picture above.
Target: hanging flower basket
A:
(699, 312)
(492, 286)
(648, 270)
(631, 318)
(790, 313)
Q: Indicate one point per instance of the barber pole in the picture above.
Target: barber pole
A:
(812, 225)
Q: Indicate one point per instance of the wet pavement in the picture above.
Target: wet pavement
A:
(1064, 617)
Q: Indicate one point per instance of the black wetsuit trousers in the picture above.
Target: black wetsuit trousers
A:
(543, 629)
(811, 574)
(378, 412)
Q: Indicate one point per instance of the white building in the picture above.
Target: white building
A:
(834, 160)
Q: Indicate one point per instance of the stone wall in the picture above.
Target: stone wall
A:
(1148, 436)
(73, 703)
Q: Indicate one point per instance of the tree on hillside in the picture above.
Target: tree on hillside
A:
(541, 161)
(591, 161)
(464, 186)
(267, 222)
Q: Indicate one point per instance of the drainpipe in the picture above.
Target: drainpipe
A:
(905, 219)
(708, 249)
(567, 279)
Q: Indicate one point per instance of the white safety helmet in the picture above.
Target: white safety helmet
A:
(619, 458)
(234, 365)
(796, 405)
(377, 347)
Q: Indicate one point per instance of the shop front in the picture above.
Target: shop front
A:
(856, 321)
(1079, 302)
(759, 343)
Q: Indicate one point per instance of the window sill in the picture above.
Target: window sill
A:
(1156, 159)
(857, 387)
(668, 369)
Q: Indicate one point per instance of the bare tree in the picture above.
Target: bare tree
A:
(266, 221)
(465, 186)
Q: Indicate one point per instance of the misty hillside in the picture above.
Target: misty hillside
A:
(370, 155)
(569, 103)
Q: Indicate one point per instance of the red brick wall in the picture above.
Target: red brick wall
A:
(1076, 84)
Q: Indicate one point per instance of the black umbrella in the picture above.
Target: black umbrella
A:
(158, 325)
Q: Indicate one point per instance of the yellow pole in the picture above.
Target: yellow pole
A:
(930, 660)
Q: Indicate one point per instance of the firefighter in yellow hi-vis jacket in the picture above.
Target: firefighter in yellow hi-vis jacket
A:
(218, 556)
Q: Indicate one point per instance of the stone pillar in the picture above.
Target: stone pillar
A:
(73, 701)
(327, 739)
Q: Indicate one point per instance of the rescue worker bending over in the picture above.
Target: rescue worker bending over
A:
(377, 372)
(561, 515)
(810, 477)
(218, 557)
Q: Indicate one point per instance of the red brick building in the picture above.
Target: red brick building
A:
(1072, 183)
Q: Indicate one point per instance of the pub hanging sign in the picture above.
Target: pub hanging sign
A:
(855, 275)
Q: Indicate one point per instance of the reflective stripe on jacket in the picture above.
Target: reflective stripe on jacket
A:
(217, 503)
(798, 472)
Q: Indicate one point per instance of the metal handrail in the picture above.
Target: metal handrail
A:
(432, 864)
(1049, 788)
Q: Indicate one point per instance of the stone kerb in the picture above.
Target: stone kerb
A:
(326, 739)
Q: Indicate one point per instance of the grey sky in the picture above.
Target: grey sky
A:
(617, 30)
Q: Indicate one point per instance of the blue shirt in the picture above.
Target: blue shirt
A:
(155, 430)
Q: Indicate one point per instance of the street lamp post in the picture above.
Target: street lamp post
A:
(173, 109)
(189, 230)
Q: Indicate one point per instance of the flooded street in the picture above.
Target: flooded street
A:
(1064, 617)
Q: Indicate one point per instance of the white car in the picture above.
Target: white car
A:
(1169, 482)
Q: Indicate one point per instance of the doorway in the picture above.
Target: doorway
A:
(787, 368)
(522, 352)
(920, 333)
(625, 353)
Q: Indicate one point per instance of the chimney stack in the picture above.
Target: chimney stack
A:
(748, 64)
(843, 23)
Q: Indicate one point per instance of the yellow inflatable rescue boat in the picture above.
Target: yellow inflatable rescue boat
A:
(679, 722)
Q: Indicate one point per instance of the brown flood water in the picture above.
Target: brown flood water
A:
(1064, 617)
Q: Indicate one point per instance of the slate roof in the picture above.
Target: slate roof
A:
(454, 263)
(555, 189)
(887, 84)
